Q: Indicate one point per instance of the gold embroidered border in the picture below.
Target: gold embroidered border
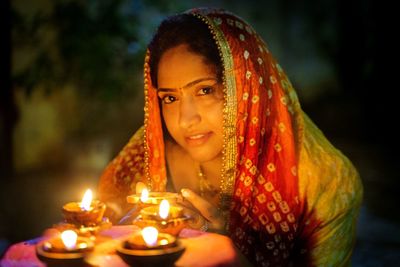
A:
(146, 119)
(230, 106)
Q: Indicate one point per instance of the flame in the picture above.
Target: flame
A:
(164, 209)
(69, 238)
(87, 200)
(145, 195)
(150, 235)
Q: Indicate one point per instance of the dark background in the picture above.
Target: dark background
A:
(71, 96)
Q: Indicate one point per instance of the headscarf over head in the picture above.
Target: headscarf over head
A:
(259, 181)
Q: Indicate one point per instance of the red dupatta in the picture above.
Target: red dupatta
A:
(259, 182)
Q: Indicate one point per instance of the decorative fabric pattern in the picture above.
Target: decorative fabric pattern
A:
(265, 204)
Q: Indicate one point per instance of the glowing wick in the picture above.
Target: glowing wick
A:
(145, 195)
(86, 200)
(164, 209)
(150, 235)
(69, 238)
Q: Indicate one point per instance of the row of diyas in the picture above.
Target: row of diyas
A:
(150, 247)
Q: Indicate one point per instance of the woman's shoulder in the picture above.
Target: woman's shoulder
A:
(120, 176)
(132, 154)
(331, 190)
(134, 147)
(137, 139)
(127, 167)
(325, 173)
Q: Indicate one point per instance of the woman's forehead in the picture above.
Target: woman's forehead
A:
(178, 67)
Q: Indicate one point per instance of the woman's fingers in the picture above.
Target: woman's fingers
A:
(198, 202)
(204, 207)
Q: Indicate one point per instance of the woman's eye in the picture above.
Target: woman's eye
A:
(206, 91)
(168, 99)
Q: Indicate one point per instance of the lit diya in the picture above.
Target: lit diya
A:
(88, 212)
(152, 198)
(68, 249)
(167, 218)
(150, 248)
(163, 212)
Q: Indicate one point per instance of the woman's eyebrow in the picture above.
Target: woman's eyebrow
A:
(190, 84)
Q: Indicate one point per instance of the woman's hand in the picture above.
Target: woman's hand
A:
(207, 210)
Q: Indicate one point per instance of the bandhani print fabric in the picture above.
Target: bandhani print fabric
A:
(289, 197)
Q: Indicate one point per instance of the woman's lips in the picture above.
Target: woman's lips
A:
(197, 139)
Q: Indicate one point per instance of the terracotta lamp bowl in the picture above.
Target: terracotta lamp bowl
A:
(138, 255)
(51, 253)
(170, 226)
(73, 214)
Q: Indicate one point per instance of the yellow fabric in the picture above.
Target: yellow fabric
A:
(333, 191)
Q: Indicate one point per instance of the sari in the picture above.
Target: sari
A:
(289, 197)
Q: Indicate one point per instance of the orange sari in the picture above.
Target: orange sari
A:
(288, 195)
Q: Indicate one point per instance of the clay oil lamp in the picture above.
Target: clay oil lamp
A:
(86, 213)
(165, 217)
(150, 248)
(68, 249)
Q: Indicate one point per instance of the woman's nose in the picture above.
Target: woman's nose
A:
(188, 113)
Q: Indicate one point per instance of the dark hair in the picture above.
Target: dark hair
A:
(183, 29)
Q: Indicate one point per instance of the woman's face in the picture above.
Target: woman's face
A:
(192, 102)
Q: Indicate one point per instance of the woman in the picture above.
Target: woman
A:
(223, 126)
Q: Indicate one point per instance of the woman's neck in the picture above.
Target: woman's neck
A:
(185, 171)
(212, 169)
